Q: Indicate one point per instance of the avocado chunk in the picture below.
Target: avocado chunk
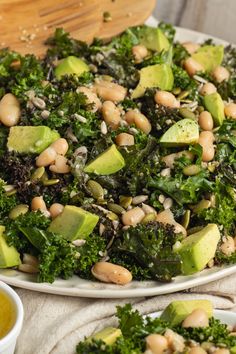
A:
(107, 163)
(233, 350)
(184, 132)
(215, 105)
(74, 223)
(159, 75)
(27, 139)
(71, 65)
(153, 39)
(209, 56)
(9, 257)
(108, 335)
(198, 249)
(177, 311)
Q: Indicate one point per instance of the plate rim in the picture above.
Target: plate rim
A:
(124, 292)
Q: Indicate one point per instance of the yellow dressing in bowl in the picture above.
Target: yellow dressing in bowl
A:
(7, 314)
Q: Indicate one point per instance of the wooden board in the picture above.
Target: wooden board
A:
(25, 24)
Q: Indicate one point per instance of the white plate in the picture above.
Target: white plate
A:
(84, 288)
(226, 317)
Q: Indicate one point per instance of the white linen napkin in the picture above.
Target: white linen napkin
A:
(55, 324)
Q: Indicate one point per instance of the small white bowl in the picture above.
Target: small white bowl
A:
(8, 343)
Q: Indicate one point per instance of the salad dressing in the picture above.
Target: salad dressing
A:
(7, 314)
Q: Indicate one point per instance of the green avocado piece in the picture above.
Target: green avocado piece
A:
(9, 257)
(215, 105)
(233, 350)
(209, 56)
(158, 75)
(177, 311)
(107, 163)
(184, 132)
(153, 39)
(27, 139)
(198, 249)
(71, 65)
(108, 335)
(74, 223)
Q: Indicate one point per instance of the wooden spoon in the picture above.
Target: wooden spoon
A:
(25, 24)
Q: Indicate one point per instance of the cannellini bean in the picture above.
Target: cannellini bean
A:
(175, 341)
(60, 146)
(197, 318)
(29, 259)
(228, 247)
(166, 99)
(167, 217)
(9, 110)
(197, 350)
(56, 209)
(206, 139)
(207, 89)
(134, 116)
(133, 216)
(46, 158)
(139, 52)
(37, 203)
(111, 273)
(28, 268)
(111, 114)
(230, 110)
(191, 47)
(170, 159)
(92, 98)
(205, 120)
(192, 66)
(221, 351)
(124, 139)
(109, 91)
(220, 74)
(156, 343)
(60, 165)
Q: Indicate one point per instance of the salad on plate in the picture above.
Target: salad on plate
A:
(117, 160)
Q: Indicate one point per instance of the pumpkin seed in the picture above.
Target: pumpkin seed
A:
(200, 109)
(95, 189)
(186, 113)
(194, 229)
(8, 188)
(191, 170)
(11, 192)
(148, 218)
(139, 199)
(18, 210)
(38, 173)
(176, 91)
(203, 204)
(117, 209)
(125, 201)
(44, 177)
(112, 216)
(51, 182)
(183, 95)
(186, 219)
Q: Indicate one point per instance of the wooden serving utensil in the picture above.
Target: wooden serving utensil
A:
(25, 24)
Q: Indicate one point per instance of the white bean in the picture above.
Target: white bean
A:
(228, 247)
(156, 343)
(205, 120)
(133, 216)
(220, 74)
(197, 318)
(221, 351)
(191, 47)
(139, 52)
(208, 89)
(192, 66)
(124, 139)
(92, 98)
(111, 273)
(60, 165)
(46, 158)
(167, 217)
(56, 209)
(166, 99)
(60, 146)
(197, 350)
(206, 139)
(169, 160)
(230, 110)
(111, 114)
(135, 117)
(9, 110)
(110, 91)
(37, 203)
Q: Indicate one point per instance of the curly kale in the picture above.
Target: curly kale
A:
(7, 202)
(150, 245)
